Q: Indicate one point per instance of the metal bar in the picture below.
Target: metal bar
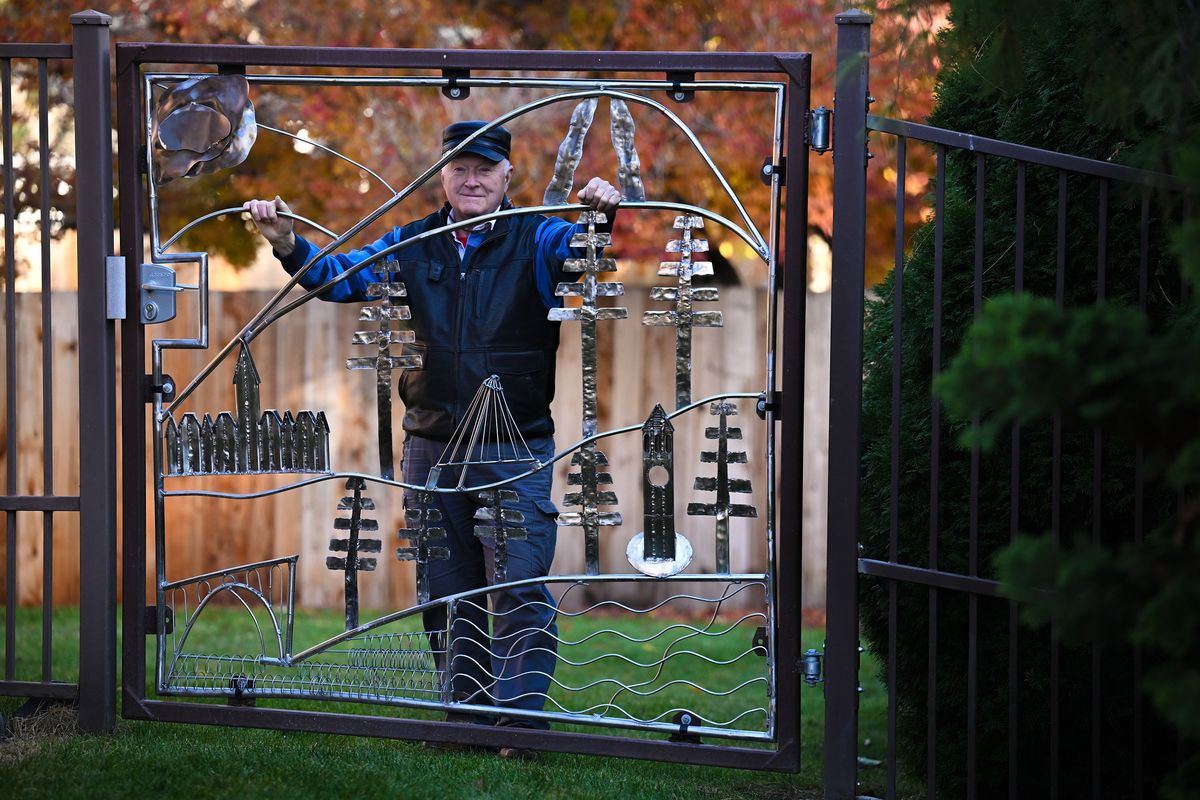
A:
(783, 760)
(933, 578)
(30, 689)
(894, 505)
(1014, 518)
(159, 79)
(47, 296)
(790, 561)
(133, 410)
(845, 404)
(39, 503)
(97, 371)
(935, 446)
(381, 58)
(1018, 152)
(1060, 280)
(1097, 485)
(1139, 508)
(973, 512)
(34, 50)
(10, 371)
(1056, 487)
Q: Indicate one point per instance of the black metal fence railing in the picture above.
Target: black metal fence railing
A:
(965, 683)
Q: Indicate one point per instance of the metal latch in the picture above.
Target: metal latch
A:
(114, 287)
(158, 293)
(818, 129)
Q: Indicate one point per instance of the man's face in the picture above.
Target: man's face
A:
(474, 185)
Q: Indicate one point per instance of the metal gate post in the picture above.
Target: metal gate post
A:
(97, 375)
(845, 403)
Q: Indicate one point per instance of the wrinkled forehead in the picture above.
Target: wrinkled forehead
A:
(471, 161)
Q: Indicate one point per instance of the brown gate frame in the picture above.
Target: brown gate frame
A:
(785, 407)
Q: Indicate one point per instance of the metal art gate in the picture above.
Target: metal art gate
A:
(751, 694)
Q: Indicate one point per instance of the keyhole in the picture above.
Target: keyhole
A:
(658, 475)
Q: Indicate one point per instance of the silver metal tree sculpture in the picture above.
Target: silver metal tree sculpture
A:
(683, 295)
(352, 563)
(420, 530)
(383, 362)
(499, 524)
(722, 509)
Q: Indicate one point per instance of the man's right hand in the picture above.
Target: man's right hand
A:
(275, 229)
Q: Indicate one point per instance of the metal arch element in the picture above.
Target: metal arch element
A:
(331, 151)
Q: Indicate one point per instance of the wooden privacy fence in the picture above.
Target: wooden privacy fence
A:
(301, 362)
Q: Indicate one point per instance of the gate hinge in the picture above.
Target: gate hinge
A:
(818, 129)
(150, 621)
(770, 170)
(760, 642)
(812, 667)
(166, 388)
(114, 287)
(452, 89)
(769, 401)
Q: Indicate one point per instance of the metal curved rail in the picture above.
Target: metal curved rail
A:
(239, 210)
(329, 150)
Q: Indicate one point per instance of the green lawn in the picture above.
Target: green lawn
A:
(46, 758)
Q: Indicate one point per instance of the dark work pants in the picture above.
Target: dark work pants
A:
(511, 668)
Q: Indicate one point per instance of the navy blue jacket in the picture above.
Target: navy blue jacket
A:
(482, 316)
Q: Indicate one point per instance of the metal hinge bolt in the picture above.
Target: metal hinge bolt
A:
(818, 129)
(812, 667)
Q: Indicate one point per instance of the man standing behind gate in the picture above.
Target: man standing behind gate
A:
(479, 300)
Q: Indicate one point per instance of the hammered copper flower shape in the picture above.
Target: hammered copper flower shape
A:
(202, 125)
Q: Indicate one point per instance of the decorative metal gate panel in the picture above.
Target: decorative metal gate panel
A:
(750, 658)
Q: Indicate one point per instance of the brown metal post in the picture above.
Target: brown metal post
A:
(97, 376)
(845, 403)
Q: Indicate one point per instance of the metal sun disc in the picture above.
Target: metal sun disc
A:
(193, 127)
(659, 568)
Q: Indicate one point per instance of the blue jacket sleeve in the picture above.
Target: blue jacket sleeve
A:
(352, 289)
(552, 246)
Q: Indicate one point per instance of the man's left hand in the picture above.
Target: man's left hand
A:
(601, 196)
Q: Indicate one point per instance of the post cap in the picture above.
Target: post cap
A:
(91, 17)
(854, 16)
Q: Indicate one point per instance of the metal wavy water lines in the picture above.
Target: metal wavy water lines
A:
(682, 318)
(722, 509)
(383, 362)
(589, 498)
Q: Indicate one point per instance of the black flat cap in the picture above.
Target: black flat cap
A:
(493, 145)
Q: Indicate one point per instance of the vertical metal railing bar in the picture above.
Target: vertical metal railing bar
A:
(1098, 484)
(97, 374)
(1060, 282)
(1014, 518)
(894, 529)
(973, 521)
(47, 368)
(10, 367)
(935, 444)
(1138, 503)
(847, 309)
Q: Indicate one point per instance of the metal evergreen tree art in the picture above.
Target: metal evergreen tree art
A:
(658, 551)
(722, 509)
(500, 524)
(683, 295)
(420, 530)
(352, 563)
(590, 497)
(248, 443)
(383, 362)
